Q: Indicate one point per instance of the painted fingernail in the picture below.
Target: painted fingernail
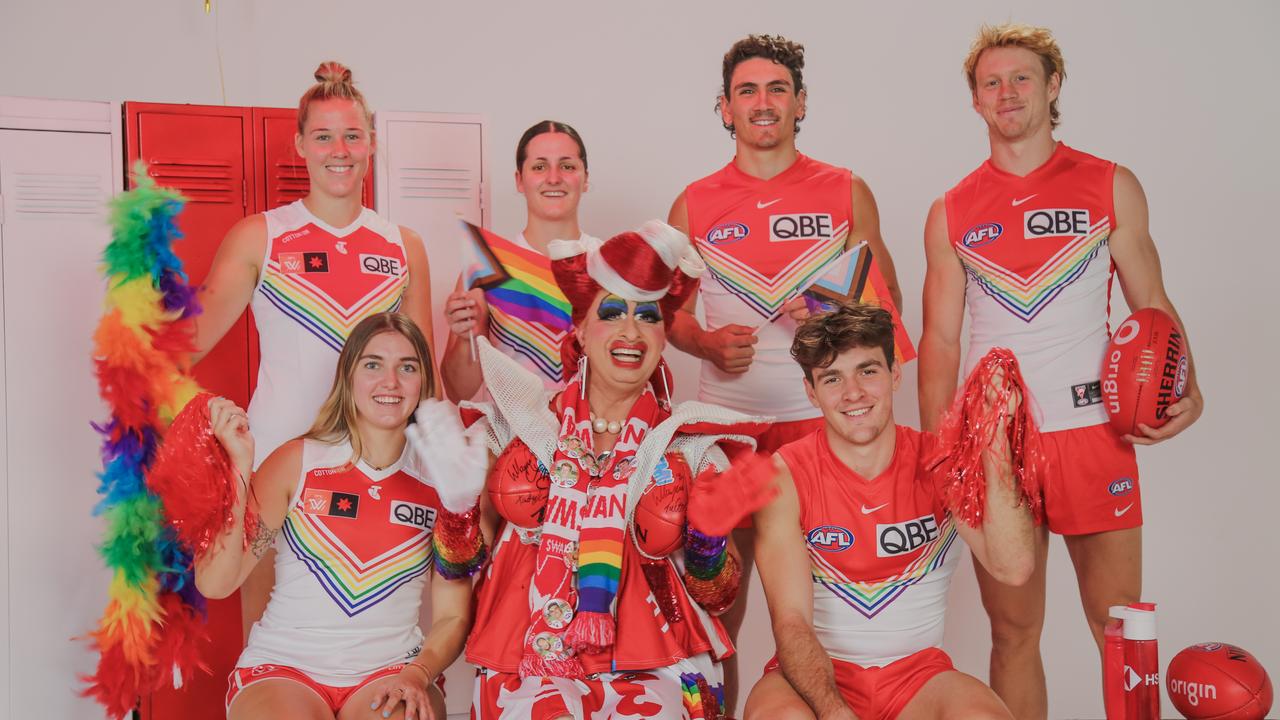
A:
(386, 713)
(373, 705)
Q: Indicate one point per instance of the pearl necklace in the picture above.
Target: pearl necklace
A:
(601, 426)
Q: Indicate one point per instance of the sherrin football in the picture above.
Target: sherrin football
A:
(660, 513)
(1216, 681)
(1144, 371)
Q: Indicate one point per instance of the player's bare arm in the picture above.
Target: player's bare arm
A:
(1005, 543)
(229, 286)
(866, 226)
(784, 571)
(1142, 282)
(944, 283)
(264, 498)
(466, 313)
(731, 347)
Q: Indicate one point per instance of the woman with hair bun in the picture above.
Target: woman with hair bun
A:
(311, 271)
(551, 173)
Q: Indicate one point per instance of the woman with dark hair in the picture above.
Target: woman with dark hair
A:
(353, 517)
(551, 173)
(606, 511)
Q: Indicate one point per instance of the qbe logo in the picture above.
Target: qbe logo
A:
(726, 233)
(830, 538)
(904, 537)
(1121, 487)
(983, 234)
(1055, 222)
(379, 265)
(799, 226)
(413, 515)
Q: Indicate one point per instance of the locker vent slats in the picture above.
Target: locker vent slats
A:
(58, 194)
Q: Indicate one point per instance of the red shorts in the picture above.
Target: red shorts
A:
(779, 434)
(1092, 483)
(882, 692)
(334, 696)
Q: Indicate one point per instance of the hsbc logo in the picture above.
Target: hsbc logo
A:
(413, 515)
(1055, 222)
(799, 226)
(726, 233)
(1121, 487)
(904, 537)
(983, 234)
(830, 538)
(379, 265)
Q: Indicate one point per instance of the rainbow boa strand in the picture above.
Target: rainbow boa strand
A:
(152, 629)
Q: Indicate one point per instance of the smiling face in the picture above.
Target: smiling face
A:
(763, 105)
(386, 383)
(1013, 94)
(623, 342)
(855, 395)
(552, 177)
(336, 144)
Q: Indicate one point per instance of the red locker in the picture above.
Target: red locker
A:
(206, 153)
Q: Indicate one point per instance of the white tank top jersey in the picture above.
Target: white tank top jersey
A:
(352, 561)
(317, 283)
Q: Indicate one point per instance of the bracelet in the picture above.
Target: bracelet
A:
(458, 545)
(421, 667)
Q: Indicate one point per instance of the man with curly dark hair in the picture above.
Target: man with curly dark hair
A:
(762, 223)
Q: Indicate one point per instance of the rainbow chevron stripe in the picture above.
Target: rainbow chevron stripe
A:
(764, 293)
(1026, 297)
(870, 598)
(354, 585)
(527, 311)
(322, 316)
(699, 696)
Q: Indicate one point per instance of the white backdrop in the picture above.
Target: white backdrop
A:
(1184, 94)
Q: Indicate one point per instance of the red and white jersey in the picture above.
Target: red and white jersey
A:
(317, 282)
(882, 551)
(1039, 273)
(761, 240)
(352, 561)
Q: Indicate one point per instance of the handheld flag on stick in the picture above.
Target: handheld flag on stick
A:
(855, 277)
(527, 311)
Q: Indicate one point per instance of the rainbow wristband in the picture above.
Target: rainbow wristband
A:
(459, 547)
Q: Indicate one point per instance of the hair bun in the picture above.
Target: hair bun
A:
(333, 72)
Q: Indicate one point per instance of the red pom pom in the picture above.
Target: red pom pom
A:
(193, 477)
(980, 408)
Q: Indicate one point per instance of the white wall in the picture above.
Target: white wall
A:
(1184, 94)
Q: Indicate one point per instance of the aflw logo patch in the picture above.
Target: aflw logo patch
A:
(413, 515)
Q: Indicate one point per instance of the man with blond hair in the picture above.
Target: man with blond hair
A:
(1029, 243)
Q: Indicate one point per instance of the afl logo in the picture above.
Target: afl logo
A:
(1126, 332)
(983, 234)
(1121, 487)
(1180, 384)
(1206, 647)
(830, 538)
(726, 233)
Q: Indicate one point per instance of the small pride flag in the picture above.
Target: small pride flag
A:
(527, 311)
(854, 276)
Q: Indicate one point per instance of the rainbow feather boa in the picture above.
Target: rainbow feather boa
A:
(152, 630)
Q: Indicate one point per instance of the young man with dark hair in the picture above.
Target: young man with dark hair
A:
(762, 223)
(858, 597)
(1029, 243)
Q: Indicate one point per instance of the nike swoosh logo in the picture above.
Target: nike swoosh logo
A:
(867, 511)
(763, 205)
(1018, 202)
(1123, 510)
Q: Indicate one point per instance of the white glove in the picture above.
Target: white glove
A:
(456, 461)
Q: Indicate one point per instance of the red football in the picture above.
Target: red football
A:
(518, 487)
(1216, 681)
(659, 519)
(1144, 371)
